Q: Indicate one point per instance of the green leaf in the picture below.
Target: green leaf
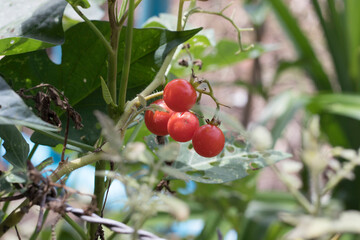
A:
(106, 93)
(4, 185)
(233, 163)
(13, 177)
(81, 3)
(281, 109)
(353, 40)
(305, 51)
(13, 111)
(29, 25)
(84, 60)
(340, 104)
(16, 147)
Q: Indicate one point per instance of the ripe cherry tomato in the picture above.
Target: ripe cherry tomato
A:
(179, 95)
(157, 121)
(182, 125)
(208, 140)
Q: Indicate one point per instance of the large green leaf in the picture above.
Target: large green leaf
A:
(233, 163)
(333, 26)
(29, 25)
(353, 40)
(16, 147)
(305, 51)
(84, 61)
(13, 111)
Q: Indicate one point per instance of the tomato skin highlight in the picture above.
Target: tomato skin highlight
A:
(157, 121)
(182, 126)
(179, 95)
(208, 140)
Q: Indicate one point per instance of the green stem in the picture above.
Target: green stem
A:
(14, 217)
(76, 226)
(60, 139)
(35, 234)
(99, 192)
(75, 164)
(124, 16)
(94, 28)
(127, 56)
(31, 154)
(113, 56)
(180, 15)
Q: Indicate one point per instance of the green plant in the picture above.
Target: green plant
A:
(106, 67)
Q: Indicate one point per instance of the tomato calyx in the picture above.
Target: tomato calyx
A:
(214, 121)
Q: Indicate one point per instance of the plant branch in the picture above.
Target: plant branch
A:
(298, 195)
(127, 56)
(340, 175)
(124, 16)
(76, 226)
(94, 28)
(220, 14)
(75, 164)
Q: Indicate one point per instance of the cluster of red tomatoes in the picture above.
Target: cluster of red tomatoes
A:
(179, 97)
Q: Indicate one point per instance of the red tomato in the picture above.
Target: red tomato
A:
(181, 126)
(157, 121)
(208, 140)
(179, 95)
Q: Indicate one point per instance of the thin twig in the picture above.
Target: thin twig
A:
(17, 233)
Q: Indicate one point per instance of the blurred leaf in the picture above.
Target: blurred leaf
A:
(333, 26)
(233, 163)
(2, 215)
(257, 11)
(252, 89)
(164, 20)
(281, 109)
(309, 227)
(215, 57)
(84, 60)
(174, 206)
(4, 185)
(109, 131)
(284, 66)
(302, 45)
(16, 147)
(212, 220)
(340, 104)
(352, 19)
(20, 28)
(14, 111)
(261, 216)
(13, 177)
